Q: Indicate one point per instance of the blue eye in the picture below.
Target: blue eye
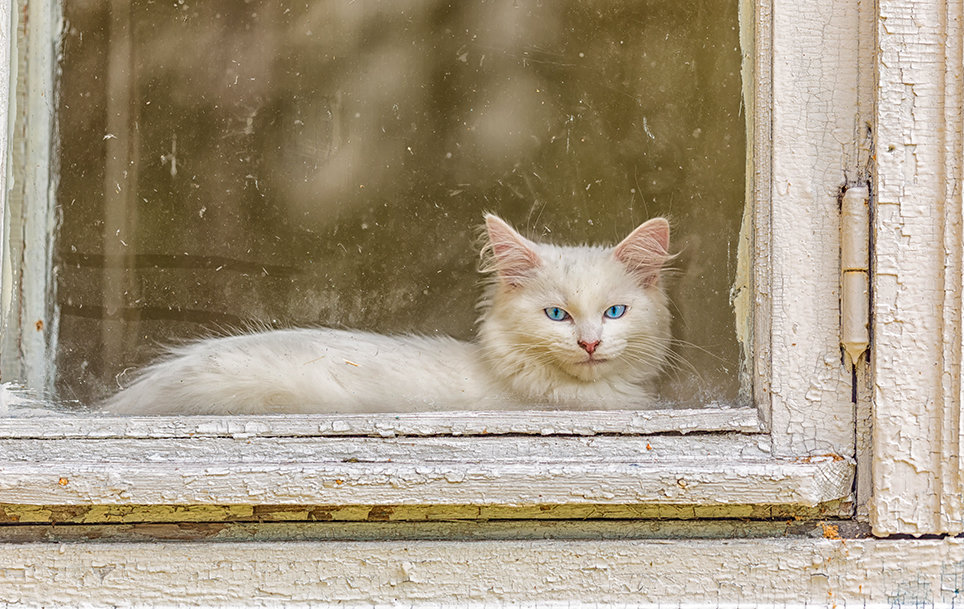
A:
(615, 311)
(556, 314)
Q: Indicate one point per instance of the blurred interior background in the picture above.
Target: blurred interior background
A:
(235, 162)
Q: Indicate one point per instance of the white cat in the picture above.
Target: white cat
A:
(583, 328)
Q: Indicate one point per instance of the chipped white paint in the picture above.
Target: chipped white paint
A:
(700, 469)
(814, 107)
(554, 478)
(809, 386)
(27, 318)
(543, 573)
(917, 276)
(6, 77)
(808, 141)
(27, 422)
(798, 168)
(749, 293)
(395, 460)
(642, 450)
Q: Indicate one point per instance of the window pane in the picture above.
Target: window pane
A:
(228, 163)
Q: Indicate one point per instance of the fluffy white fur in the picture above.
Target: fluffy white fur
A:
(522, 359)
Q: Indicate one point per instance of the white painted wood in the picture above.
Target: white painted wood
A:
(29, 320)
(7, 112)
(6, 21)
(917, 486)
(814, 153)
(9, 242)
(802, 110)
(543, 573)
(28, 422)
(722, 481)
(498, 449)
(750, 293)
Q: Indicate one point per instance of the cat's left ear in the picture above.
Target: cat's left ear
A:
(513, 257)
(645, 251)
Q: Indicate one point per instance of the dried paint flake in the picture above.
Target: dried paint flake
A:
(830, 531)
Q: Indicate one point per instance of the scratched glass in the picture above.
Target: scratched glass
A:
(326, 163)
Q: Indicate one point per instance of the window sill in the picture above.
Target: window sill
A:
(482, 459)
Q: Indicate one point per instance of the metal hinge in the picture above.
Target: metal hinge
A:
(855, 272)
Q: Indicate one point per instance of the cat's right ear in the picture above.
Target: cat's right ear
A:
(510, 255)
(645, 251)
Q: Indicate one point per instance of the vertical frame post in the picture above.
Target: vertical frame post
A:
(28, 320)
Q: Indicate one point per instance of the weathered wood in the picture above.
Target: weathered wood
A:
(722, 481)
(808, 387)
(21, 515)
(498, 449)
(26, 423)
(696, 470)
(29, 322)
(814, 153)
(917, 484)
(751, 289)
(442, 530)
(527, 573)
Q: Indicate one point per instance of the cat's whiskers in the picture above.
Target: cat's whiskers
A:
(673, 361)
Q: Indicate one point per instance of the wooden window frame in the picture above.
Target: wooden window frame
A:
(915, 449)
(795, 450)
(904, 136)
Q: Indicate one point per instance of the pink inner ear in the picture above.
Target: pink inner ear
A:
(645, 251)
(513, 256)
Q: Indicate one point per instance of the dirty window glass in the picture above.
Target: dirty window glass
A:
(226, 162)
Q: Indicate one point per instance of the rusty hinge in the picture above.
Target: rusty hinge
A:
(855, 271)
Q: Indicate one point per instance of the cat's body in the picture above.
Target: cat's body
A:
(561, 327)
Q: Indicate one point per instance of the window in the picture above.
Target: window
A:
(791, 452)
(274, 163)
(843, 93)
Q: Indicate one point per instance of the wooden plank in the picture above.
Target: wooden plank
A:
(442, 530)
(474, 515)
(917, 485)
(493, 449)
(814, 117)
(28, 423)
(794, 572)
(29, 318)
(751, 290)
(721, 481)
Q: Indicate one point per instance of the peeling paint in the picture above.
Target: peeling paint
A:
(813, 122)
(816, 102)
(917, 485)
(545, 573)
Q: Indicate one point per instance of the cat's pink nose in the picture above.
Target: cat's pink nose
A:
(589, 346)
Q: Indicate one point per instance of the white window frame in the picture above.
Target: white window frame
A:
(907, 435)
(795, 450)
(916, 445)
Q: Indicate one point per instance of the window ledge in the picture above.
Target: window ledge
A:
(34, 422)
(793, 572)
(698, 469)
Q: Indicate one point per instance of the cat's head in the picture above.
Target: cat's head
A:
(589, 313)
